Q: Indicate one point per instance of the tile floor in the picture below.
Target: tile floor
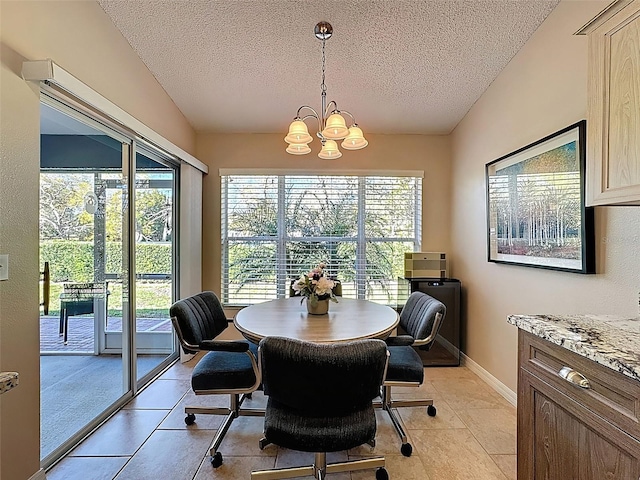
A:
(472, 437)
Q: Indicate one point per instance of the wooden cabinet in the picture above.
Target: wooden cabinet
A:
(613, 106)
(567, 431)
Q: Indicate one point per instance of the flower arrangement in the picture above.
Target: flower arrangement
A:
(315, 286)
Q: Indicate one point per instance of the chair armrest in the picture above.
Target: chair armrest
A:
(225, 346)
(400, 341)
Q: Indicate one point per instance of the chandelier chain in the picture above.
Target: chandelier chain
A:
(323, 86)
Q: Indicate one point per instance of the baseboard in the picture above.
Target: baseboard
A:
(509, 395)
(39, 475)
(450, 347)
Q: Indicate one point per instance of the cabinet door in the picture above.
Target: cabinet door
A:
(560, 439)
(613, 138)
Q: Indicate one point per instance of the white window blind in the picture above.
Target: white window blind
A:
(276, 227)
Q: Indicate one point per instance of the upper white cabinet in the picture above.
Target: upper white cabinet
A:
(613, 107)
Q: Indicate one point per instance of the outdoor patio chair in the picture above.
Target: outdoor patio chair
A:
(79, 299)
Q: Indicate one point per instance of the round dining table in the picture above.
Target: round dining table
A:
(347, 320)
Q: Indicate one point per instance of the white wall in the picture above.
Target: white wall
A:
(80, 38)
(542, 90)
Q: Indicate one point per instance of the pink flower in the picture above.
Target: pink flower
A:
(324, 286)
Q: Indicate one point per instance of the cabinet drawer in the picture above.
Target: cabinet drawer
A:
(611, 394)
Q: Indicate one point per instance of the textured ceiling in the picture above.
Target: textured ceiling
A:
(398, 66)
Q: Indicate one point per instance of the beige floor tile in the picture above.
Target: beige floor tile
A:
(494, 428)
(426, 390)
(180, 371)
(439, 373)
(257, 400)
(234, 468)
(122, 434)
(448, 446)
(398, 468)
(161, 394)
(161, 458)
(87, 468)
(417, 417)
(507, 464)
(466, 393)
(387, 439)
(175, 420)
(454, 454)
(243, 437)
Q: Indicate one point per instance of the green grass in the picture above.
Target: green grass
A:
(153, 298)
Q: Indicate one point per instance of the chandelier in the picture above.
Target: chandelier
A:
(331, 122)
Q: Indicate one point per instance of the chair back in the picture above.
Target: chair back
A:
(422, 317)
(84, 291)
(198, 318)
(322, 379)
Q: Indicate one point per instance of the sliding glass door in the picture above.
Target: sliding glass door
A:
(155, 286)
(108, 241)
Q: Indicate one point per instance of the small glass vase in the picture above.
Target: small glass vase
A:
(319, 307)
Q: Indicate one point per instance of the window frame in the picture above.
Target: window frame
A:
(281, 239)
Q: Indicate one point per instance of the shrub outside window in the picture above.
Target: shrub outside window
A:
(277, 227)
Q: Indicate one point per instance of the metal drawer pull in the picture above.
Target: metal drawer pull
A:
(570, 375)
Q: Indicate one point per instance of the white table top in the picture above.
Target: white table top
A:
(347, 320)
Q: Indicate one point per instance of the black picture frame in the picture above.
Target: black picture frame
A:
(536, 214)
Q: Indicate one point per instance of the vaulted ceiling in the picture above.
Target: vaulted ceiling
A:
(399, 66)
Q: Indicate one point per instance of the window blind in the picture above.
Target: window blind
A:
(277, 227)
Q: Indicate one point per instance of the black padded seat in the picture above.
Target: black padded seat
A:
(221, 371)
(406, 366)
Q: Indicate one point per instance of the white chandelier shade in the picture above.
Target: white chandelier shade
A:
(336, 128)
(329, 150)
(332, 125)
(355, 140)
(298, 149)
(298, 133)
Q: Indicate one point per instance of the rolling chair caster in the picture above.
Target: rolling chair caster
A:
(406, 449)
(216, 460)
(431, 411)
(190, 419)
(381, 474)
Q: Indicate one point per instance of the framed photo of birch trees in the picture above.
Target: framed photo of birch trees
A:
(536, 215)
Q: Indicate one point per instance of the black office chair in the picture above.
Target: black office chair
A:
(320, 400)
(420, 321)
(229, 366)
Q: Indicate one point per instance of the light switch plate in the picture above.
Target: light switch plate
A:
(4, 267)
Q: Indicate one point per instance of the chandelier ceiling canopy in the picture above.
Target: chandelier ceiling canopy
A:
(332, 125)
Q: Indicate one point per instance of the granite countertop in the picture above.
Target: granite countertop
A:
(612, 341)
(8, 380)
